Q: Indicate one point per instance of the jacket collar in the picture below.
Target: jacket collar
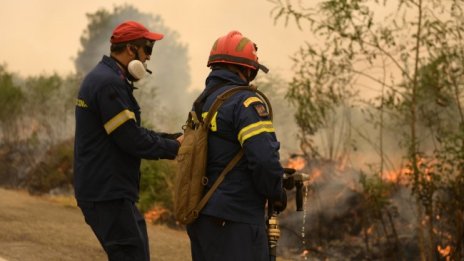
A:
(222, 75)
(113, 64)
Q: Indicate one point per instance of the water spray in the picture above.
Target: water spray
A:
(291, 179)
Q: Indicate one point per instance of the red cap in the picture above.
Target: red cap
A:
(131, 30)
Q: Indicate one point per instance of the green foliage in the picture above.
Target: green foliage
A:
(35, 114)
(360, 49)
(51, 102)
(156, 187)
(379, 209)
(42, 101)
(43, 87)
(11, 104)
(407, 61)
(284, 122)
(449, 165)
(376, 193)
(11, 96)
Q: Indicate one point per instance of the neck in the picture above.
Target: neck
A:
(120, 64)
(238, 72)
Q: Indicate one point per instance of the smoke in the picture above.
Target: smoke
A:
(163, 96)
(275, 89)
(338, 218)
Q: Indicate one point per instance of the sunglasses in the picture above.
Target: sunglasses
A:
(145, 44)
(148, 47)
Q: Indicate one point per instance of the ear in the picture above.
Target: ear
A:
(131, 50)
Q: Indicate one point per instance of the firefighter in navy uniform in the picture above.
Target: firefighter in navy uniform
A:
(110, 143)
(232, 224)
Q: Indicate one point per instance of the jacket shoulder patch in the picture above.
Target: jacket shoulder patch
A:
(261, 110)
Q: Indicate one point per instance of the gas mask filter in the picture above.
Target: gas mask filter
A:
(137, 69)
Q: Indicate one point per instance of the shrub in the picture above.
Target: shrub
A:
(54, 171)
(156, 186)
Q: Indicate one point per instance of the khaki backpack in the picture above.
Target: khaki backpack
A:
(189, 197)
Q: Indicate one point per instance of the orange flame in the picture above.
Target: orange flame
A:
(445, 252)
(305, 253)
(398, 176)
(316, 174)
(370, 230)
(297, 163)
(155, 214)
(395, 176)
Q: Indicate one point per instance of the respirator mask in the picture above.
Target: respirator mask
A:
(137, 70)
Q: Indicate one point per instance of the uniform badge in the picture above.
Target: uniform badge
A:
(261, 110)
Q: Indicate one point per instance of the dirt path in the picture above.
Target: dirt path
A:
(44, 228)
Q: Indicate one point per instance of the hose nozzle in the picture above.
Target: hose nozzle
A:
(295, 179)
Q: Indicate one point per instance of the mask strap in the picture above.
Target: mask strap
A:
(126, 70)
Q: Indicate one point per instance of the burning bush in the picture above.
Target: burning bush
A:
(349, 216)
(156, 191)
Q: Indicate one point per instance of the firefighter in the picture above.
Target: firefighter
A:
(110, 143)
(232, 224)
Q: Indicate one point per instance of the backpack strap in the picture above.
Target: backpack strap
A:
(216, 183)
(201, 99)
(214, 107)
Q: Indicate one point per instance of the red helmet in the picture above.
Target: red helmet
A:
(234, 48)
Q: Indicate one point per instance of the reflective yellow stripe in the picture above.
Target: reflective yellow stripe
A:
(242, 44)
(118, 120)
(81, 103)
(254, 129)
(250, 100)
(213, 120)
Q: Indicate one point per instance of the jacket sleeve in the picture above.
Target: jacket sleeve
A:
(120, 122)
(257, 136)
(144, 143)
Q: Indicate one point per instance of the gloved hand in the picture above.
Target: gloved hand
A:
(171, 136)
(289, 171)
(281, 204)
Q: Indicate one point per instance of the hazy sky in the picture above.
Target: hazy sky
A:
(42, 36)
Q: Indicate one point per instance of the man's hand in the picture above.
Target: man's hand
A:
(171, 136)
(180, 139)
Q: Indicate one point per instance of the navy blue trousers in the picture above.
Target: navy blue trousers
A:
(119, 227)
(213, 239)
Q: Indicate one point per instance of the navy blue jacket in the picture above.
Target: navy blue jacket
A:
(109, 141)
(241, 122)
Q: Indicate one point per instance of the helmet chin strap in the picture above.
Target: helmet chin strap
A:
(252, 75)
(245, 74)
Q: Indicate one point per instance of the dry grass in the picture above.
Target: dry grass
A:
(52, 228)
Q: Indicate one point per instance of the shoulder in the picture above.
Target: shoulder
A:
(250, 100)
(247, 97)
(101, 74)
(247, 104)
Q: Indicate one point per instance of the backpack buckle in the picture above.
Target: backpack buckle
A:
(194, 117)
